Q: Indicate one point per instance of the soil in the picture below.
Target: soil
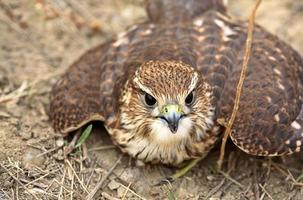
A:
(39, 39)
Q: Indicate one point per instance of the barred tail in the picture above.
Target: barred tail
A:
(174, 10)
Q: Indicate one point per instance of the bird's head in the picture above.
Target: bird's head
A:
(167, 101)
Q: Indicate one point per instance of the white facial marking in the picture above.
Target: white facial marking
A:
(141, 86)
(161, 133)
(193, 82)
(287, 142)
(296, 125)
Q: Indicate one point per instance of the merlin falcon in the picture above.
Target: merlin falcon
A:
(161, 87)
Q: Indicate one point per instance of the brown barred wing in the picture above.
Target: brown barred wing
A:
(75, 98)
(269, 119)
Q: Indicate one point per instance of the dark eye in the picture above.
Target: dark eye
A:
(149, 100)
(190, 98)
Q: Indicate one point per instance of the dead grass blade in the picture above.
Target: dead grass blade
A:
(18, 181)
(125, 193)
(6, 195)
(133, 192)
(76, 175)
(91, 195)
(265, 191)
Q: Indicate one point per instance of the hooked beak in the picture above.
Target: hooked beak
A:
(172, 113)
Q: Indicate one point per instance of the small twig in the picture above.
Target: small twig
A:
(91, 195)
(62, 183)
(48, 187)
(227, 176)
(107, 196)
(265, 191)
(248, 45)
(72, 187)
(6, 194)
(102, 148)
(16, 94)
(133, 192)
(74, 172)
(91, 175)
(127, 189)
(215, 189)
(48, 151)
(19, 182)
(68, 189)
(41, 177)
(72, 144)
(17, 186)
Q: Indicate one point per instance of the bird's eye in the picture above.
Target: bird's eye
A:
(149, 100)
(190, 98)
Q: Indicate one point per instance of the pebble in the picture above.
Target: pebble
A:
(113, 185)
(60, 142)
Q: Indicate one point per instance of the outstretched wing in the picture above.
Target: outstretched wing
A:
(76, 98)
(268, 121)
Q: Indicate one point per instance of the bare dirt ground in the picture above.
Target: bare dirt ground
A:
(39, 39)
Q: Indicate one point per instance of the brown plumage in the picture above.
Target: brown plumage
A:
(161, 86)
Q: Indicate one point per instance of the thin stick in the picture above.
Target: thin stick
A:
(240, 83)
(91, 195)
(102, 148)
(48, 151)
(215, 189)
(127, 189)
(19, 182)
(81, 183)
(265, 191)
(17, 186)
(227, 176)
(107, 196)
(62, 182)
(68, 189)
(72, 187)
(41, 177)
(6, 194)
(133, 192)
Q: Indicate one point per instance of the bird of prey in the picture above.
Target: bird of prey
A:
(161, 86)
